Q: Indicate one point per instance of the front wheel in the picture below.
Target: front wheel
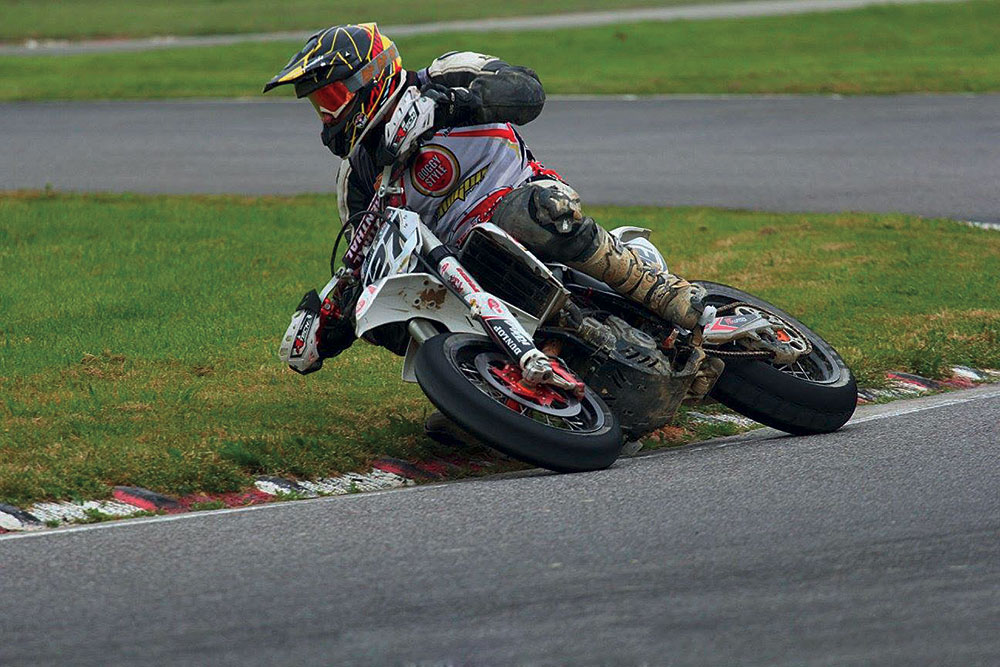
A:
(815, 394)
(475, 386)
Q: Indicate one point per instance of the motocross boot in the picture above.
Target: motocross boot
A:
(620, 266)
(706, 377)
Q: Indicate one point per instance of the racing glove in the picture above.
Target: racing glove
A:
(453, 106)
(318, 331)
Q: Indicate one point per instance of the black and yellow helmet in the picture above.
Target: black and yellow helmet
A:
(349, 73)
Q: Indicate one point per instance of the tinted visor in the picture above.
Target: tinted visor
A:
(331, 99)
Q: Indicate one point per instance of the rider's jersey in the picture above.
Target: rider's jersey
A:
(509, 94)
(458, 176)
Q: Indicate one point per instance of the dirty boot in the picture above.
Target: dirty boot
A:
(669, 296)
(706, 377)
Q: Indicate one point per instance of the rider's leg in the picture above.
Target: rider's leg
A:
(547, 217)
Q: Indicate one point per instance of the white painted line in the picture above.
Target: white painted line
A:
(187, 516)
(931, 403)
(899, 412)
(941, 401)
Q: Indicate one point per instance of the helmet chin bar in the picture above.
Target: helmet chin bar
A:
(390, 103)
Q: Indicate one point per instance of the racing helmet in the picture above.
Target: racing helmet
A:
(351, 74)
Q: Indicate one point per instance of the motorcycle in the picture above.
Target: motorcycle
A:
(550, 366)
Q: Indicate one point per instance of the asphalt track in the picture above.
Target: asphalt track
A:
(874, 545)
(933, 155)
(739, 9)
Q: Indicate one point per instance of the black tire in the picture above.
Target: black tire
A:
(762, 392)
(438, 368)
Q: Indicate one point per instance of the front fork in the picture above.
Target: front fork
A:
(499, 323)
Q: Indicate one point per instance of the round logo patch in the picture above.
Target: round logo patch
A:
(435, 172)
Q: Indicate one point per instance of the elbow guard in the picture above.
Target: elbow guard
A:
(511, 95)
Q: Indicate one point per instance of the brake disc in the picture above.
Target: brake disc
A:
(572, 408)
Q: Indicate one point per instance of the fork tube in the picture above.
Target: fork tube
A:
(497, 320)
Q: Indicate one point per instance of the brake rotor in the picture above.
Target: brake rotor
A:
(506, 378)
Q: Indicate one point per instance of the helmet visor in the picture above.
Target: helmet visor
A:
(331, 100)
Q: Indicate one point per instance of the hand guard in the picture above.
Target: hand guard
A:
(411, 122)
(300, 344)
(453, 106)
(317, 332)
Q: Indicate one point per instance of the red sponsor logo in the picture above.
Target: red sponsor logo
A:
(721, 325)
(435, 171)
(494, 306)
(468, 281)
(483, 211)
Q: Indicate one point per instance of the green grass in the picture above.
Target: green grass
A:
(138, 334)
(886, 49)
(115, 18)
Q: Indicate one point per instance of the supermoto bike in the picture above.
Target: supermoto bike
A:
(551, 366)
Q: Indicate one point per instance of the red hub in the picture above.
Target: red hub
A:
(540, 394)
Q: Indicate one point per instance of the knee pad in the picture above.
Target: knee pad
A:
(546, 216)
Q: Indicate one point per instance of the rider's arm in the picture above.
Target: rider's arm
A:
(355, 184)
(498, 92)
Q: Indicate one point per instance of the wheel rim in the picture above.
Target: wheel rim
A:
(504, 376)
(816, 367)
(566, 414)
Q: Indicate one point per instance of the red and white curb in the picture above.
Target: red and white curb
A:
(386, 473)
(900, 385)
(130, 501)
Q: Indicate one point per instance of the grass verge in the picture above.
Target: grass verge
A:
(883, 49)
(56, 19)
(138, 333)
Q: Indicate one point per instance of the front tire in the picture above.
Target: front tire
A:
(818, 397)
(451, 371)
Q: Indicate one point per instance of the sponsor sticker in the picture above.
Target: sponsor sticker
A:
(462, 191)
(435, 171)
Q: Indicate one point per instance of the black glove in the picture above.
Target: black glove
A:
(337, 332)
(454, 106)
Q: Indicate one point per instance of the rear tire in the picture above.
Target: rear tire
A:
(446, 370)
(776, 398)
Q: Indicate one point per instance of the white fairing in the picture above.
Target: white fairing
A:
(638, 238)
(403, 297)
(393, 293)
(391, 253)
(410, 295)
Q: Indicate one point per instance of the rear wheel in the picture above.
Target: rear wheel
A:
(478, 388)
(814, 394)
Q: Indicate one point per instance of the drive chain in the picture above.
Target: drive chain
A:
(755, 354)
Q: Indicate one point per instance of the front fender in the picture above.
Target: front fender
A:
(400, 298)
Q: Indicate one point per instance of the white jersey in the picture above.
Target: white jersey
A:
(459, 175)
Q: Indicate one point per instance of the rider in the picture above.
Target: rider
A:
(475, 168)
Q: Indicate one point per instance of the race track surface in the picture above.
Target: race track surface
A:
(874, 545)
(924, 154)
(738, 9)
